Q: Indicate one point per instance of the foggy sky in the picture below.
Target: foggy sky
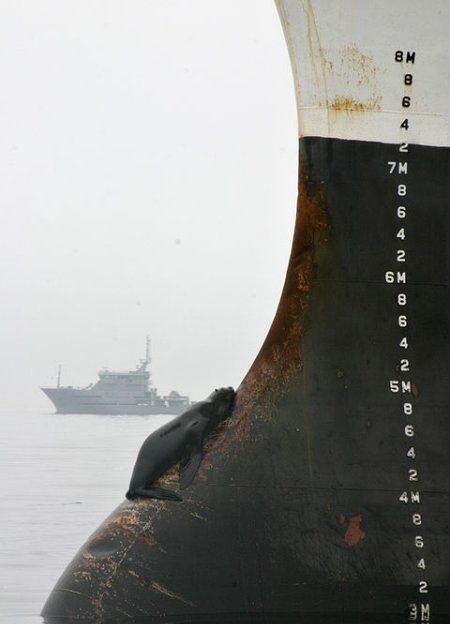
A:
(148, 159)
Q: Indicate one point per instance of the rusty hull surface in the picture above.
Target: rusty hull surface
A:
(295, 512)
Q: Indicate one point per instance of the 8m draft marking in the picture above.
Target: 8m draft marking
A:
(418, 611)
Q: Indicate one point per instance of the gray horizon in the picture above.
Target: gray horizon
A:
(149, 160)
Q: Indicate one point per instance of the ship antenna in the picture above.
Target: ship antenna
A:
(59, 377)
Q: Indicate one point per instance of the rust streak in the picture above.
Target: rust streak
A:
(112, 565)
(280, 356)
(344, 103)
(163, 590)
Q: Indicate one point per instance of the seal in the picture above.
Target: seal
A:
(181, 440)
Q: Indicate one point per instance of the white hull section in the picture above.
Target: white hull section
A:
(350, 84)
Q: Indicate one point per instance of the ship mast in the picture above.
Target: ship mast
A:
(148, 358)
(58, 384)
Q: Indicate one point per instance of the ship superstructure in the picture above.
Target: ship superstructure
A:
(118, 392)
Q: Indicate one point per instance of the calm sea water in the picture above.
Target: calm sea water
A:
(61, 475)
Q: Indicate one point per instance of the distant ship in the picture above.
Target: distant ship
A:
(118, 392)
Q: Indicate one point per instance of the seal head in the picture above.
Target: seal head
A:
(218, 406)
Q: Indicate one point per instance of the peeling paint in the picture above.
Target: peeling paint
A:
(360, 66)
(198, 516)
(354, 533)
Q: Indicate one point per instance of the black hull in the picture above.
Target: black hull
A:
(298, 513)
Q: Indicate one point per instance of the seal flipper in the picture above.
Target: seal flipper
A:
(188, 469)
(157, 492)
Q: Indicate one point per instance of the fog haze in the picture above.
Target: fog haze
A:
(148, 162)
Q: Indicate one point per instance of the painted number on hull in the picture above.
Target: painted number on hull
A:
(399, 168)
